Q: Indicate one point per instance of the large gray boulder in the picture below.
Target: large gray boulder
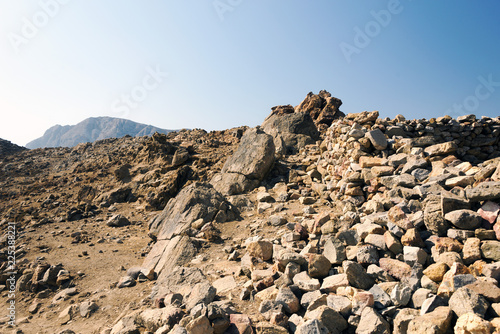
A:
(197, 201)
(292, 131)
(248, 166)
(193, 203)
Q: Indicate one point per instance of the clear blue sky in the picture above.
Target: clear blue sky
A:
(226, 63)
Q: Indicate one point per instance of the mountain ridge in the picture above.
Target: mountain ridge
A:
(92, 129)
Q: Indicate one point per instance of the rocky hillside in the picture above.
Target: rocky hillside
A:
(314, 222)
(7, 148)
(90, 130)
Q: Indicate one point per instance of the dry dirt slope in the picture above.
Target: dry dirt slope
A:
(61, 199)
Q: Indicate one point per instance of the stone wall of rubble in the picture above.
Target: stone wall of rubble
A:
(361, 149)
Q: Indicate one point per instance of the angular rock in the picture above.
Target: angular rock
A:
(357, 276)
(196, 201)
(240, 324)
(373, 323)
(368, 162)
(253, 159)
(403, 319)
(200, 325)
(484, 191)
(420, 296)
(261, 249)
(312, 327)
(202, 292)
(376, 240)
(309, 297)
(395, 268)
(333, 282)
(464, 219)
(318, 266)
(489, 211)
(266, 327)
(460, 181)
(401, 295)
(488, 290)
(431, 303)
(334, 251)
(380, 297)
(412, 238)
(340, 304)
(295, 130)
(118, 221)
(392, 243)
(67, 314)
(288, 299)
(126, 282)
(367, 254)
(433, 218)
(441, 149)
(471, 250)
(224, 284)
(87, 308)
(436, 271)
(451, 202)
(437, 322)
(465, 300)
(414, 255)
(330, 318)
(153, 319)
(472, 323)
(490, 249)
(305, 282)
(377, 138)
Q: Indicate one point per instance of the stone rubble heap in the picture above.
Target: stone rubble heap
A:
(349, 224)
(397, 233)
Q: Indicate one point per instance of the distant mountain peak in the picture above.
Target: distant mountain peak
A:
(92, 129)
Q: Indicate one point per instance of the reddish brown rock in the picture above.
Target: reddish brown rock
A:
(445, 244)
(395, 268)
(489, 211)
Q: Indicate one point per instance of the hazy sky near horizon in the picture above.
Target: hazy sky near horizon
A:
(225, 63)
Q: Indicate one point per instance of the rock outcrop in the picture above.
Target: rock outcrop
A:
(251, 162)
(291, 130)
(322, 107)
(198, 202)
